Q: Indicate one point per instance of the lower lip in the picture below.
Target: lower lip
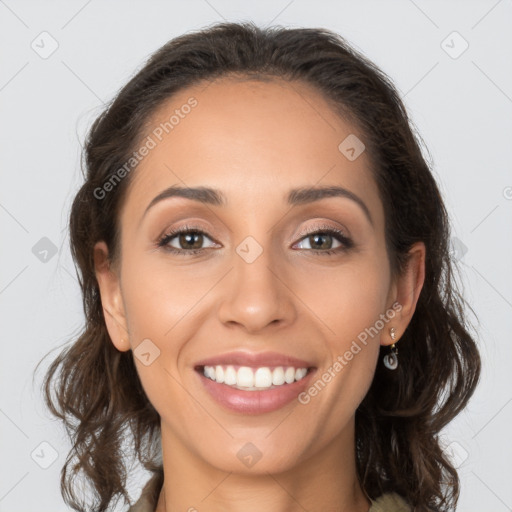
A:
(255, 402)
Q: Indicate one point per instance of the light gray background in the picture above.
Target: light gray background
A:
(462, 107)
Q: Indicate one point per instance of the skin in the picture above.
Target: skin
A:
(254, 141)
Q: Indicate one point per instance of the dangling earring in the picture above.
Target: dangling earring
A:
(391, 360)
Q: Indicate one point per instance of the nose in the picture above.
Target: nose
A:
(256, 295)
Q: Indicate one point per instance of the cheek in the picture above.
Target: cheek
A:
(159, 295)
(350, 303)
(347, 299)
(162, 304)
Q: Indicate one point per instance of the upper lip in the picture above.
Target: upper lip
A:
(255, 360)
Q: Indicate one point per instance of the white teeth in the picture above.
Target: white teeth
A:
(253, 379)
(263, 378)
(289, 375)
(219, 374)
(300, 373)
(229, 376)
(209, 371)
(245, 377)
(278, 376)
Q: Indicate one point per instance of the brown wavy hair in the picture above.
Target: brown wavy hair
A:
(95, 390)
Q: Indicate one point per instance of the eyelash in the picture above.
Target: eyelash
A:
(323, 230)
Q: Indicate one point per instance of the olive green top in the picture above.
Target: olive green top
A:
(389, 502)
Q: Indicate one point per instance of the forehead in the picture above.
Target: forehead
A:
(252, 139)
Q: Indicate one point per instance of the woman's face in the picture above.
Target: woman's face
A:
(259, 283)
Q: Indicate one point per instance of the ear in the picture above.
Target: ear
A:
(406, 292)
(111, 298)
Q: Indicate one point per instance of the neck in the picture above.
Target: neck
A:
(326, 481)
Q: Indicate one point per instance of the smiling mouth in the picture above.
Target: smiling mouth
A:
(247, 378)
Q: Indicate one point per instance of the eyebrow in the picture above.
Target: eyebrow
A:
(297, 196)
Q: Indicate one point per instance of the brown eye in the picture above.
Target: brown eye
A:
(322, 241)
(190, 240)
(185, 240)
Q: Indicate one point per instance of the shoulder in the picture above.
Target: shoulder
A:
(148, 499)
(143, 504)
(390, 502)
